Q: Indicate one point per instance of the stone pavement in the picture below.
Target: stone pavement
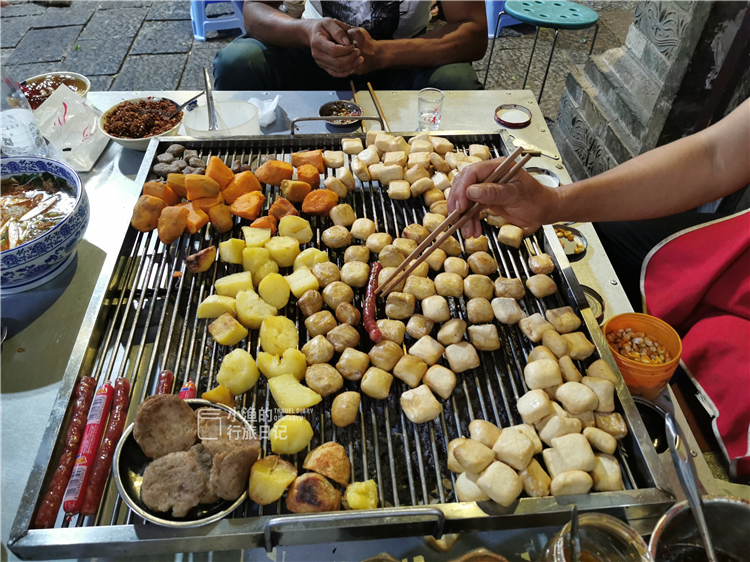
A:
(138, 45)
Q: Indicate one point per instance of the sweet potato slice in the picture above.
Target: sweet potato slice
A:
(205, 203)
(176, 182)
(295, 191)
(309, 174)
(320, 202)
(281, 208)
(146, 212)
(162, 191)
(221, 218)
(248, 206)
(172, 223)
(274, 172)
(269, 222)
(196, 220)
(198, 186)
(219, 172)
(312, 157)
(244, 182)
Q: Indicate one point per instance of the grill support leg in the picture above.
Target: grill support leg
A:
(546, 70)
(492, 49)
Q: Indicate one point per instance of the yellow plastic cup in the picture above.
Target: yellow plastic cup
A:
(642, 379)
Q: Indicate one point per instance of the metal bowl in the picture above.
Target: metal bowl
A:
(130, 463)
(332, 107)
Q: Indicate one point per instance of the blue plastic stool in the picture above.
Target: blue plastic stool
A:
(496, 13)
(557, 15)
(203, 24)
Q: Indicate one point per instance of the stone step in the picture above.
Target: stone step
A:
(624, 87)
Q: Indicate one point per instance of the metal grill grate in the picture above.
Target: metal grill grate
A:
(149, 323)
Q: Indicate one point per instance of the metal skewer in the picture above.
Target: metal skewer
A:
(213, 120)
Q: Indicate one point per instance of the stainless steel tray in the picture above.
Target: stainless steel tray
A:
(142, 320)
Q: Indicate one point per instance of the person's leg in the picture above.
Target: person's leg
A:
(628, 243)
(458, 76)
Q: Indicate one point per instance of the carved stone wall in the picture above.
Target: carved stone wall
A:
(619, 104)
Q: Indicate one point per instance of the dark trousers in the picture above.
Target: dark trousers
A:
(248, 64)
(628, 243)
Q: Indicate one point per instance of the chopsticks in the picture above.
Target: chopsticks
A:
(354, 99)
(380, 109)
(506, 170)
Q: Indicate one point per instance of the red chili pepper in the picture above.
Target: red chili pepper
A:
(371, 324)
(89, 445)
(188, 390)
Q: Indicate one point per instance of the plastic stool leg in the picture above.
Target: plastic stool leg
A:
(492, 49)
(528, 68)
(546, 71)
(198, 16)
(593, 39)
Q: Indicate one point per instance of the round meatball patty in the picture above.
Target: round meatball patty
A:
(165, 424)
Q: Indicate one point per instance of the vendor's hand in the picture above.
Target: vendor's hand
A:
(522, 201)
(332, 48)
(369, 48)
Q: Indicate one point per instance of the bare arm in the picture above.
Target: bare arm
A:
(462, 39)
(672, 178)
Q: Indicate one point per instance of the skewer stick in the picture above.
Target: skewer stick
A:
(501, 170)
(380, 109)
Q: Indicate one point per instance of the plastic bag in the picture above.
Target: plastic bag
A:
(71, 124)
(266, 110)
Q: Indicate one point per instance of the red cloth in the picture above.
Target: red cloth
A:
(699, 282)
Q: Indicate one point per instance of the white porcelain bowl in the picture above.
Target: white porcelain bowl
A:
(136, 144)
(81, 77)
(39, 260)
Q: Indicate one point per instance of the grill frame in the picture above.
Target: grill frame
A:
(649, 497)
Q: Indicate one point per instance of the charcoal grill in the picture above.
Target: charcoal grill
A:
(145, 321)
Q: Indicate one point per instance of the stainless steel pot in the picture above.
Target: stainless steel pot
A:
(728, 522)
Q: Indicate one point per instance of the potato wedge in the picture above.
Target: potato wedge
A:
(308, 258)
(238, 372)
(252, 310)
(295, 227)
(301, 281)
(269, 479)
(231, 285)
(312, 493)
(256, 237)
(214, 306)
(230, 251)
(274, 289)
(283, 249)
(290, 395)
(362, 495)
(290, 435)
(201, 261)
(330, 460)
(226, 330)
(291, 362)
(277, 334)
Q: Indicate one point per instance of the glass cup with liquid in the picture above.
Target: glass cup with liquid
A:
(430, 109)
(603, 538)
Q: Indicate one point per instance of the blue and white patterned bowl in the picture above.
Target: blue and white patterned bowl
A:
(35, 262)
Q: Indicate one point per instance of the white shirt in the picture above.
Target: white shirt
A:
(382, 19)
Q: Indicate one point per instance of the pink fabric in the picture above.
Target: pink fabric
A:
(699, 282)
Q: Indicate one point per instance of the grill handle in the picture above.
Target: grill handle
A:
(344, 518)
(334, 118)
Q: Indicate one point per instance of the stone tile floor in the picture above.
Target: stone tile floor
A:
(132, 45)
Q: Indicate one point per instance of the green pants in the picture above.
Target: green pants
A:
(248, 64)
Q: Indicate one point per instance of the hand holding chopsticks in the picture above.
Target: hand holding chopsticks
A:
(504, 173)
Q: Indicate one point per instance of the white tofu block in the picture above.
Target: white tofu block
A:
(383, 141)
(480, 151)
(473, 456)
(449, 284)
(399, 190)
(554, 342)
(369, 156)
(604, 390)
(613, 423)
(375, 169)
(510, 235)
(333, 158)
(419, 137)
(333, 184)
(553, 462)
(452, 331)
(428, 350)
(496, 220)
(441, 381)
(415, 172)
(587, 419)
(438, 162)
(371, 136)
(421, 186)
(563, 319)
(352, 146)
(462, 357)
(436, 309)
(575, 451)
(363, 228)
(440, 181)
(541, 285)
(530, 432)
(395, 158)
(432, 220)
(576, 398)
(534, 327)
(453, 464)
(410, 369)
(558, 426)
(514, 449)
(600, 440)
(570, 372)
(441, 145)
(420, 405)
(600, 368)
(536, 481)
(390, 173)
(606, 475)
(571, 483)
(534, 406)
(419, 159)
(507, 310)
(421, 146)
(484, 432)
(453, 158)
(468, 491)
(360, 169)
(345, 177)
(542, 352)
(501, 483)
(551, 391)
(579, 347)
(542, 374)
(484, 337)
(462, 165)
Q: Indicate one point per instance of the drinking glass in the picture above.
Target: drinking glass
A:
(430, 109)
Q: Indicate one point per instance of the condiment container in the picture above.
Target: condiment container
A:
(642, 379)
(236, 118)
(603, 539)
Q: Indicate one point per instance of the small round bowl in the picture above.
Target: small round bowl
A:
(137, 144)
(129, 464)
(37, 261)
(83, 93)
(328, 110)
(642, 379)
